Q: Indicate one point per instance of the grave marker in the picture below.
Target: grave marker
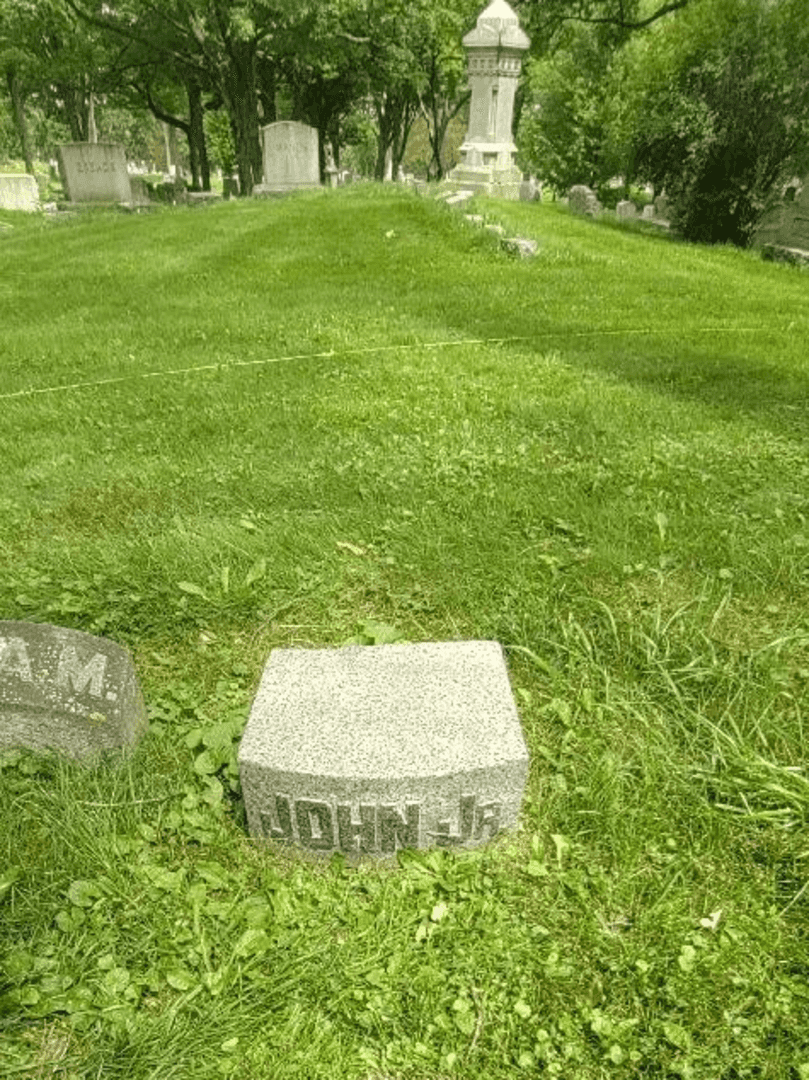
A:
(290, 158)
(18, 191)
(494, 50)
(368, 749)
(583, 200)
(95, 172)
(66, 690)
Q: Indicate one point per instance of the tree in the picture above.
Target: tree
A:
(322, 64)
(718, 112)
(204, 44)
(563, 135)
(31, 32)
(443, 60)
(544, 19)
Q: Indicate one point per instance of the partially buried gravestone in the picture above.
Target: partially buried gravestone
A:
(95, 172)
(368, 749)
(291, 158)
(66, 690)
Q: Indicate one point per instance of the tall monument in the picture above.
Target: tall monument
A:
(488, 154)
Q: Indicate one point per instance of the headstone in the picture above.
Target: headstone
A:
(18, 191)
(140, 191)
(95, 172)
(368, 749)
(583, 200)
(626, 209)
(786, 224)
(530, 190)
(66, 690)
(290, 158)
(494, 50)
(648, 212)
(661, 205)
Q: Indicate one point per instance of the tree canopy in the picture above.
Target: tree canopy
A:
(707, 98)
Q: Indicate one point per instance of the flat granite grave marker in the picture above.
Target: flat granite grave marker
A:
(368, 749)
(65, 690)
(95, 172)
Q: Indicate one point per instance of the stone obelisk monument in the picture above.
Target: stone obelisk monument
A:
(494, 50)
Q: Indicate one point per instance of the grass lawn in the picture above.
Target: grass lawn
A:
(350, 415)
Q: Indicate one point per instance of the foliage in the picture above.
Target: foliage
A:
(220, 141)
(716, 110)
(563, 130)
(547, 19)
(9, 138)
(360, 144)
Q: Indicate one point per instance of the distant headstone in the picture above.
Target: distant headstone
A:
(368, 749)
(661, 205)
(626, 209)
(583, 200)
(530, 190)
(95, 172)
(648, 212)
(18, 191)
(290, 157)
(140, 191)
(66, 690)
(786, 223)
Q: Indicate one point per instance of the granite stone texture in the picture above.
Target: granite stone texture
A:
(368, 749)
(65, 690)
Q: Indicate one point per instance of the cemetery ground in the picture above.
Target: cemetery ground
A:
(351, 415)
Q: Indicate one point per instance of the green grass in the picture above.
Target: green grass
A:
(352, 415)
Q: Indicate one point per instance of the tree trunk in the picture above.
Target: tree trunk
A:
(241, 100)
(401, 136)
(20, 121)
(384, 116)
(197, 146)
(92, 130)
(74, 112)
(265, 78)
(438, 114)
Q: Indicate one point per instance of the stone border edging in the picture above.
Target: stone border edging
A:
(514, 245)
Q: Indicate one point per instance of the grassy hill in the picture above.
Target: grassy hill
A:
(351, 415)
